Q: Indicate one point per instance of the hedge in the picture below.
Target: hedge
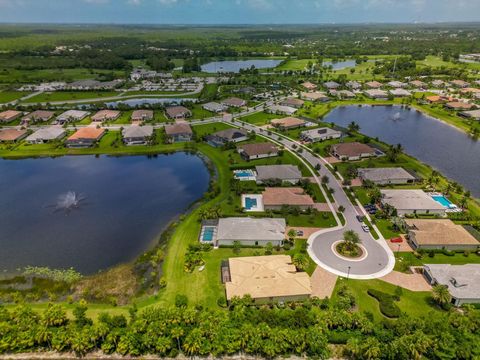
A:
(386, 302)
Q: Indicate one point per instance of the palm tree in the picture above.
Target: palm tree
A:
(291, 234)
(351, 239)
(300, 261)
(441, 295)
(325, 180)
(353, 127)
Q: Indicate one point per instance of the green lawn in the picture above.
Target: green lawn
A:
(321, 220)
(260, 118)
(9, 96)
(70, 95)
(294, 65)
(14, 76)
(406, 259)
(386, 228)
(415, 304)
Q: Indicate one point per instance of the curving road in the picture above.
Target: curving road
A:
(379, 260)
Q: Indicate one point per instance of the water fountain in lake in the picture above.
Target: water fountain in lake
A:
(68, 202)
(396, 116)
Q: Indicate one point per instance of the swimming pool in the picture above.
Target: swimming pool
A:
(250, 203)
(442, 200)
(245, 175)
(208, 233)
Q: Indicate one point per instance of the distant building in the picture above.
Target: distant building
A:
(397, 84)
(440, 234)
(458, 105)
(178, 112)
(283, 173)
(142, 115)
(234, 102)
(288, 123)
(400, 93)
(354, 85)
(37, 116)
(473, 114)
(411, 202)
(214, 107)
(345, 94)
(47, 134)
(314, 96)
(266, 279)
(418, 84)
(281, 109)
(321, 134)
(232, 135)
(376, 94)
(137, 135)
(309, 86)
(9, 115)
(438, 83)
(258, 151)
(459, 83)
(12, 135)
(386, 176)
(179, 132)
(352, 151)
(293, 102)
(106, 115)
(72, 116)
(85, 137)
(331, 85)
(461, 281)
(373, 85)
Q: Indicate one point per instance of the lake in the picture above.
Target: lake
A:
(123, 204)
(433, 142)
(236, 65)
(340, 65)
(149, 101)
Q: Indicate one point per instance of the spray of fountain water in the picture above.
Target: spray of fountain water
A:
(68, 201)
(396, 116)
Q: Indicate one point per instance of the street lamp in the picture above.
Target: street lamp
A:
(398, 249)
(348, 272)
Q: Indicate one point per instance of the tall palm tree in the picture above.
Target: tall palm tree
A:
(351, 239)
(441, 295)
(300, 261)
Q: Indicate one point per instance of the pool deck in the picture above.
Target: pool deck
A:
(258, 198)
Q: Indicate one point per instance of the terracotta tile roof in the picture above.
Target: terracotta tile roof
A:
(457, 105)
(293, 196)
(11, 134)
(87, 133)
(288, 122)
(9, 115)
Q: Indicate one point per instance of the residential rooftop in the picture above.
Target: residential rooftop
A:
(281, 172)
(244, 228)
(410, 199)
(291, 196)
(440, 232)
(462, 280)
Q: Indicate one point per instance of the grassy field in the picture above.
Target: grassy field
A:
(260, 118)
(8, 96)
(294, 65)
(13, 76)
(70, 95)
(415, 304)
(405, 259)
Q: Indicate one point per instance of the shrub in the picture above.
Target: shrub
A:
(386, 302)
(181, 301)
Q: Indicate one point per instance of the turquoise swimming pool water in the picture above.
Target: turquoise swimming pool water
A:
(442, 200)
(250, 203)
(208, 233)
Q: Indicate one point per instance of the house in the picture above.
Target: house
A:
(320, 134)
(274, 198)
(266, 279)
(411, 202)
(386, 176)
(314, 96)
(418, 84)
(179, 132)
(472, 114)
(459, 83)
(376, 94)
(71, 116)
(470, 90)
(106, 115)
(309, 86)
(9, 115)
(281, 109)
(352, 151)
(142, 115)
(436, 99)
(12, 135)
(373, 85)
(461, 281)
(258, 151)
(438, 83)
(458, 105)
(288, 123)
(283, 173)
(331, 85)
(178, 112)
(293, 102)
(440, 234)
(214, 107)
(400, 92)
(354, 85)
(234, 102)
(251, 231)
(44, 135)
(345, 94)
(137, 135)
(85, 137)
(397, 84)
(222, 137)
(37, 116)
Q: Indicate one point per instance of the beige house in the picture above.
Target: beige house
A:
(439, 234)
(266, 279)
(288, 123)
(352, 151)
(276, 197)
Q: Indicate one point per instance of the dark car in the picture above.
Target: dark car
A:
(360, 218)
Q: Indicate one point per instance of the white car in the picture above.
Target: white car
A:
(365, 228)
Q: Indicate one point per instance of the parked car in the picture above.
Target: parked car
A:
(365, 228)
(299, 232)
(360, 218)
(396, 240)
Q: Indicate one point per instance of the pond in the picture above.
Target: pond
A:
(236, 65)
(91, 212)
(433, 142)
(340, 65)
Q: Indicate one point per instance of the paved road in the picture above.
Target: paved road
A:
(379, 260)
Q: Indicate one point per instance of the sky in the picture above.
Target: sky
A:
(238, 11)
